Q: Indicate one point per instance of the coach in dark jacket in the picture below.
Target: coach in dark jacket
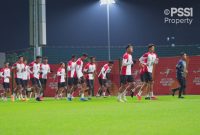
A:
(181, 72)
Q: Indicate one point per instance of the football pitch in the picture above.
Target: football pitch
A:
(101, 116)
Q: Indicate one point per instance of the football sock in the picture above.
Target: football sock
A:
(68, 95)
(104, 93)
(151, 94)
(119, 95)
(140, 93)
(82, 95)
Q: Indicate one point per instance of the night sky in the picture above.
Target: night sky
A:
(83, 22)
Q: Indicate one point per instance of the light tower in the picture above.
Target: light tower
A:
(108, 3)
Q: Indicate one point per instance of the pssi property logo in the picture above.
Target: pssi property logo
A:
(179, 15)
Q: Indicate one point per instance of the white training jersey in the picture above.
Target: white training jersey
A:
(104, 70)
(35, 69)
(126, 64)
(45, 69)
(149, 59)
(71, 67)
(6, 75)
(61, 75)
(79, 68)
(26, 73)
(90, 69)
(19, 67)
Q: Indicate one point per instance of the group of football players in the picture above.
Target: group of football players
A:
(75, 75)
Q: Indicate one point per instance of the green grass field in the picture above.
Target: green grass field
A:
(166, 116)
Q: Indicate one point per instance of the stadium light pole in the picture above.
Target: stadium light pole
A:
(37, 26)
(107, 3)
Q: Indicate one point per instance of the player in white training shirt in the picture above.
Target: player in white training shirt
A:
(148, 60)
(126, 77)
(5, 74)
(90, 72)
(26, 78)
(61, 75)
(72, 79)
(45, 70)
(79, 72)
(19, 69)
(103, 78)
(35, 77)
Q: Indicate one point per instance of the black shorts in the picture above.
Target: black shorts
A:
(43, 81)
(35, 81)
(25, 83)
(90, 83)
(72, 81)
(82, 80)
(19, 81)
(61, 84)
(108, 76)
(147, 77)
(124, 79)
(75, 80)
(102, 82)
(6, 85)
(142, 77)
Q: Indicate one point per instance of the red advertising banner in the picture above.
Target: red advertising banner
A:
(165, 75)
(51, 82)
(193, 78)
